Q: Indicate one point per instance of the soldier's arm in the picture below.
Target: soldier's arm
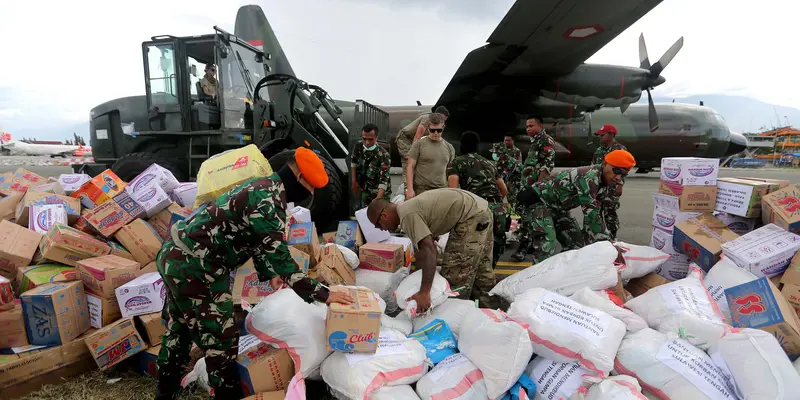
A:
(355, 158)
(518, 155)
(501, 185)
(452, 175)
(594, 225)
(423, 124)
(272, 257)
(413, 153)
(547, 160)
(385, 178)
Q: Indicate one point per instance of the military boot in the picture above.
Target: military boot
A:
(522, 250)
(168, 387)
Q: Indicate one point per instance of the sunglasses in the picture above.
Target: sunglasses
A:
(380, 216)
(436, 130)
(619, 171)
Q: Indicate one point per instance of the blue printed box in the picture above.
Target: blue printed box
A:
(303, 236)
(55, 313)
(701, 239)
(349, 235)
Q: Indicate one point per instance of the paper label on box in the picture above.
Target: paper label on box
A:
(444, 366)
(95, 311)
(247, 341)
(387, 345)
(734, 198)
(556, 380)
(591, 324)
(693, 300)
(697, 368)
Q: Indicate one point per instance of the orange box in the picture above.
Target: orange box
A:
(99, 189)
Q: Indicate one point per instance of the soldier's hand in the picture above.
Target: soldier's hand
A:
(619, 191)
(423, 300)
(276, 283)
(341, 297)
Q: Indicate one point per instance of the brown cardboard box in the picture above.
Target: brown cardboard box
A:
(82, 225)
(692, 198)
(792, 273)
(73, 206)
(303, 236)
(791, 293)
(701, 239)
(36, 363)
(151, 327)
(302, 259)
(101, 275)
(150, 267)
(780, 208)
(334, 259)
(329, 237)
(115, 343)
(55, 313)
(759, 304)
(742, 197)
(68, 246)
(37, 275)
(103, 311)
(263, 368)
(119, 251)
(108, 218)
(640, 286)
(17, 246)
(160, 221)
(325, 274)
(382, 256)
(141, 240)
(12, 328)
(354, 327)
(247, 287)
(279, 395)
(8, 205)
(780, 182)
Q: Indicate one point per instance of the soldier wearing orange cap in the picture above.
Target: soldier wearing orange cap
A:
(196, 262)
(609, 200)
(577, 187)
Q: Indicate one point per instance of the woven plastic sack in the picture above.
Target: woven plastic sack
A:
(555, 380)
(725, 274)
(640, 260)
(455, 378)
(226, 170)
(451, 311)
(383, 283)
(440, 291)
(601, 301)
(400, 322)
(621, 387)
(402, 392)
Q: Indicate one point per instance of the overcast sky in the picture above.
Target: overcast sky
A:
(60, 59)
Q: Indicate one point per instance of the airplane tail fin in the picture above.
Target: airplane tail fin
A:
(253, 27)
(5, 137)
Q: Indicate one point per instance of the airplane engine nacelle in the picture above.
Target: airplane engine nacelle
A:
(595, 85)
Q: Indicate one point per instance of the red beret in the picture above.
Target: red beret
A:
(311, 167)
(607, 128)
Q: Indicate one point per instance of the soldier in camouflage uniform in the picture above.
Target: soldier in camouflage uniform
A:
(577, 187)
(509, 161)
(609, 201)
(369, 166)
(539, 164)
(196, 263)
(471, 171)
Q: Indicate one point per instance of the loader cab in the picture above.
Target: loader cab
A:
(173, 70)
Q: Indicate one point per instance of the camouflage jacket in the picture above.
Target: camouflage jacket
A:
(372, 168)
(247, 221)
(509, 162)
(476, 174)
(602, 151)
(541, 156)
(577, 187)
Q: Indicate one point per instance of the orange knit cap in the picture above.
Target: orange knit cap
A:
(311, 167)
(621, 159)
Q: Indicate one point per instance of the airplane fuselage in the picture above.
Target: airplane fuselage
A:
(30, 149)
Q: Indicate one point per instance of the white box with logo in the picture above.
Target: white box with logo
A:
(143, 295)
(765, 251)
(666, 214)
(690, 171)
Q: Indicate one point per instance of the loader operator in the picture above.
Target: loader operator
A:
(413, 132)
(467, 264)
(610, 202)
(195, 262)
(581, 187)
(209, 83)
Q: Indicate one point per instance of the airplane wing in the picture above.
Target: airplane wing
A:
(537, 40)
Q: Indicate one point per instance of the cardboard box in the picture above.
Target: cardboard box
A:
(17, 245)
(226, 170)
(303, 236)
(41, 363)
(146, 365)
(329, 237)
(691, 198)
(68, 245)
(279, 395)
(55, 313)
(666, 213)
(640, 286)
(33, 178)
(301, 258)
(83, 225)
(702, 238)
(408, 247)
(143, 295)
(759, 305)
(72, 182)
(141, 240)
(42, 218)
(154, 175)
(152, 198)
(160, 221)
(782, 208)
(52, 187)
(334, 259)
(38, 275)
(246, 285)
(326, 275)
(150, 267)
(263, 368)
(780, 182)
(792, 273)
(108, 218)
(127, 203)
(7, 299)
(12, 328)
(742, 197)
(765, 251)
(298, 215)
(150, 327)
(99, 189)
(737, 224)
(185, 194)
(119, 251)
(102, 311)
(382, 256)
(8, 205)
(677, 266)
(355, 327)
(32, 198)
(101, 275)
(115, 343)
(791, 293)
(349, 235)
(690, 171)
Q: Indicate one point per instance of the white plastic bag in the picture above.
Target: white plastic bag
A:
(672, 369)
(758, 364)
(401, 194)
(451, 311)
(555, 380)
(725, 274)
(565, 273)
(400, 323)
(621, 387)
(600, 301)
(499, 348)
(683, 307)
(383, 283)
(198, 374)
(401, 392)
(397, 361)
(454, 378)
(640, 260)
(440, 291)
(565, 330)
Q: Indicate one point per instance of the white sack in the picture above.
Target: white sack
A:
(400, 323)
(401, 194)
(197, 374)
(402, 392)
(672, 369)
(284, 320)
(555, 380)
(349, 255)
(440, 291)
(640, 260)
(397, 361)
(441, 382)
(725, 274)
(758, 364)
(600, 301)
(451, 311)
(797, 365)
(499, 348)
(621, 387)
(565, 330)
(683, 307)
(565, 273)
(383, 283)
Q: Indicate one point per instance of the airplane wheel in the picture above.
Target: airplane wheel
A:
(131, 165)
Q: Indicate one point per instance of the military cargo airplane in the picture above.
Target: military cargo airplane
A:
(533, 63)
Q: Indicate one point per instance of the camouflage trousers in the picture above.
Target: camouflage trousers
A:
(198, 309)
(403, 147)
(609, 204)
(499, 229)
(367, 195)
(467, 263)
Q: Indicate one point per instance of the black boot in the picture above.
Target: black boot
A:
(228, 393)
(522, 250)
(168, 387)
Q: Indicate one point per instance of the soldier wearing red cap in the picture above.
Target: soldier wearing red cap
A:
(557, 195)
(196, 262)
(609, 200)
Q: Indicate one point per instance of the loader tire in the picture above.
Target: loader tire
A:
(131, 165)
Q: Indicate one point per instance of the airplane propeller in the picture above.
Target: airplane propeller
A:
(654, 77)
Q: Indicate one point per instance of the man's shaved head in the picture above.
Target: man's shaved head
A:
(383, 214)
